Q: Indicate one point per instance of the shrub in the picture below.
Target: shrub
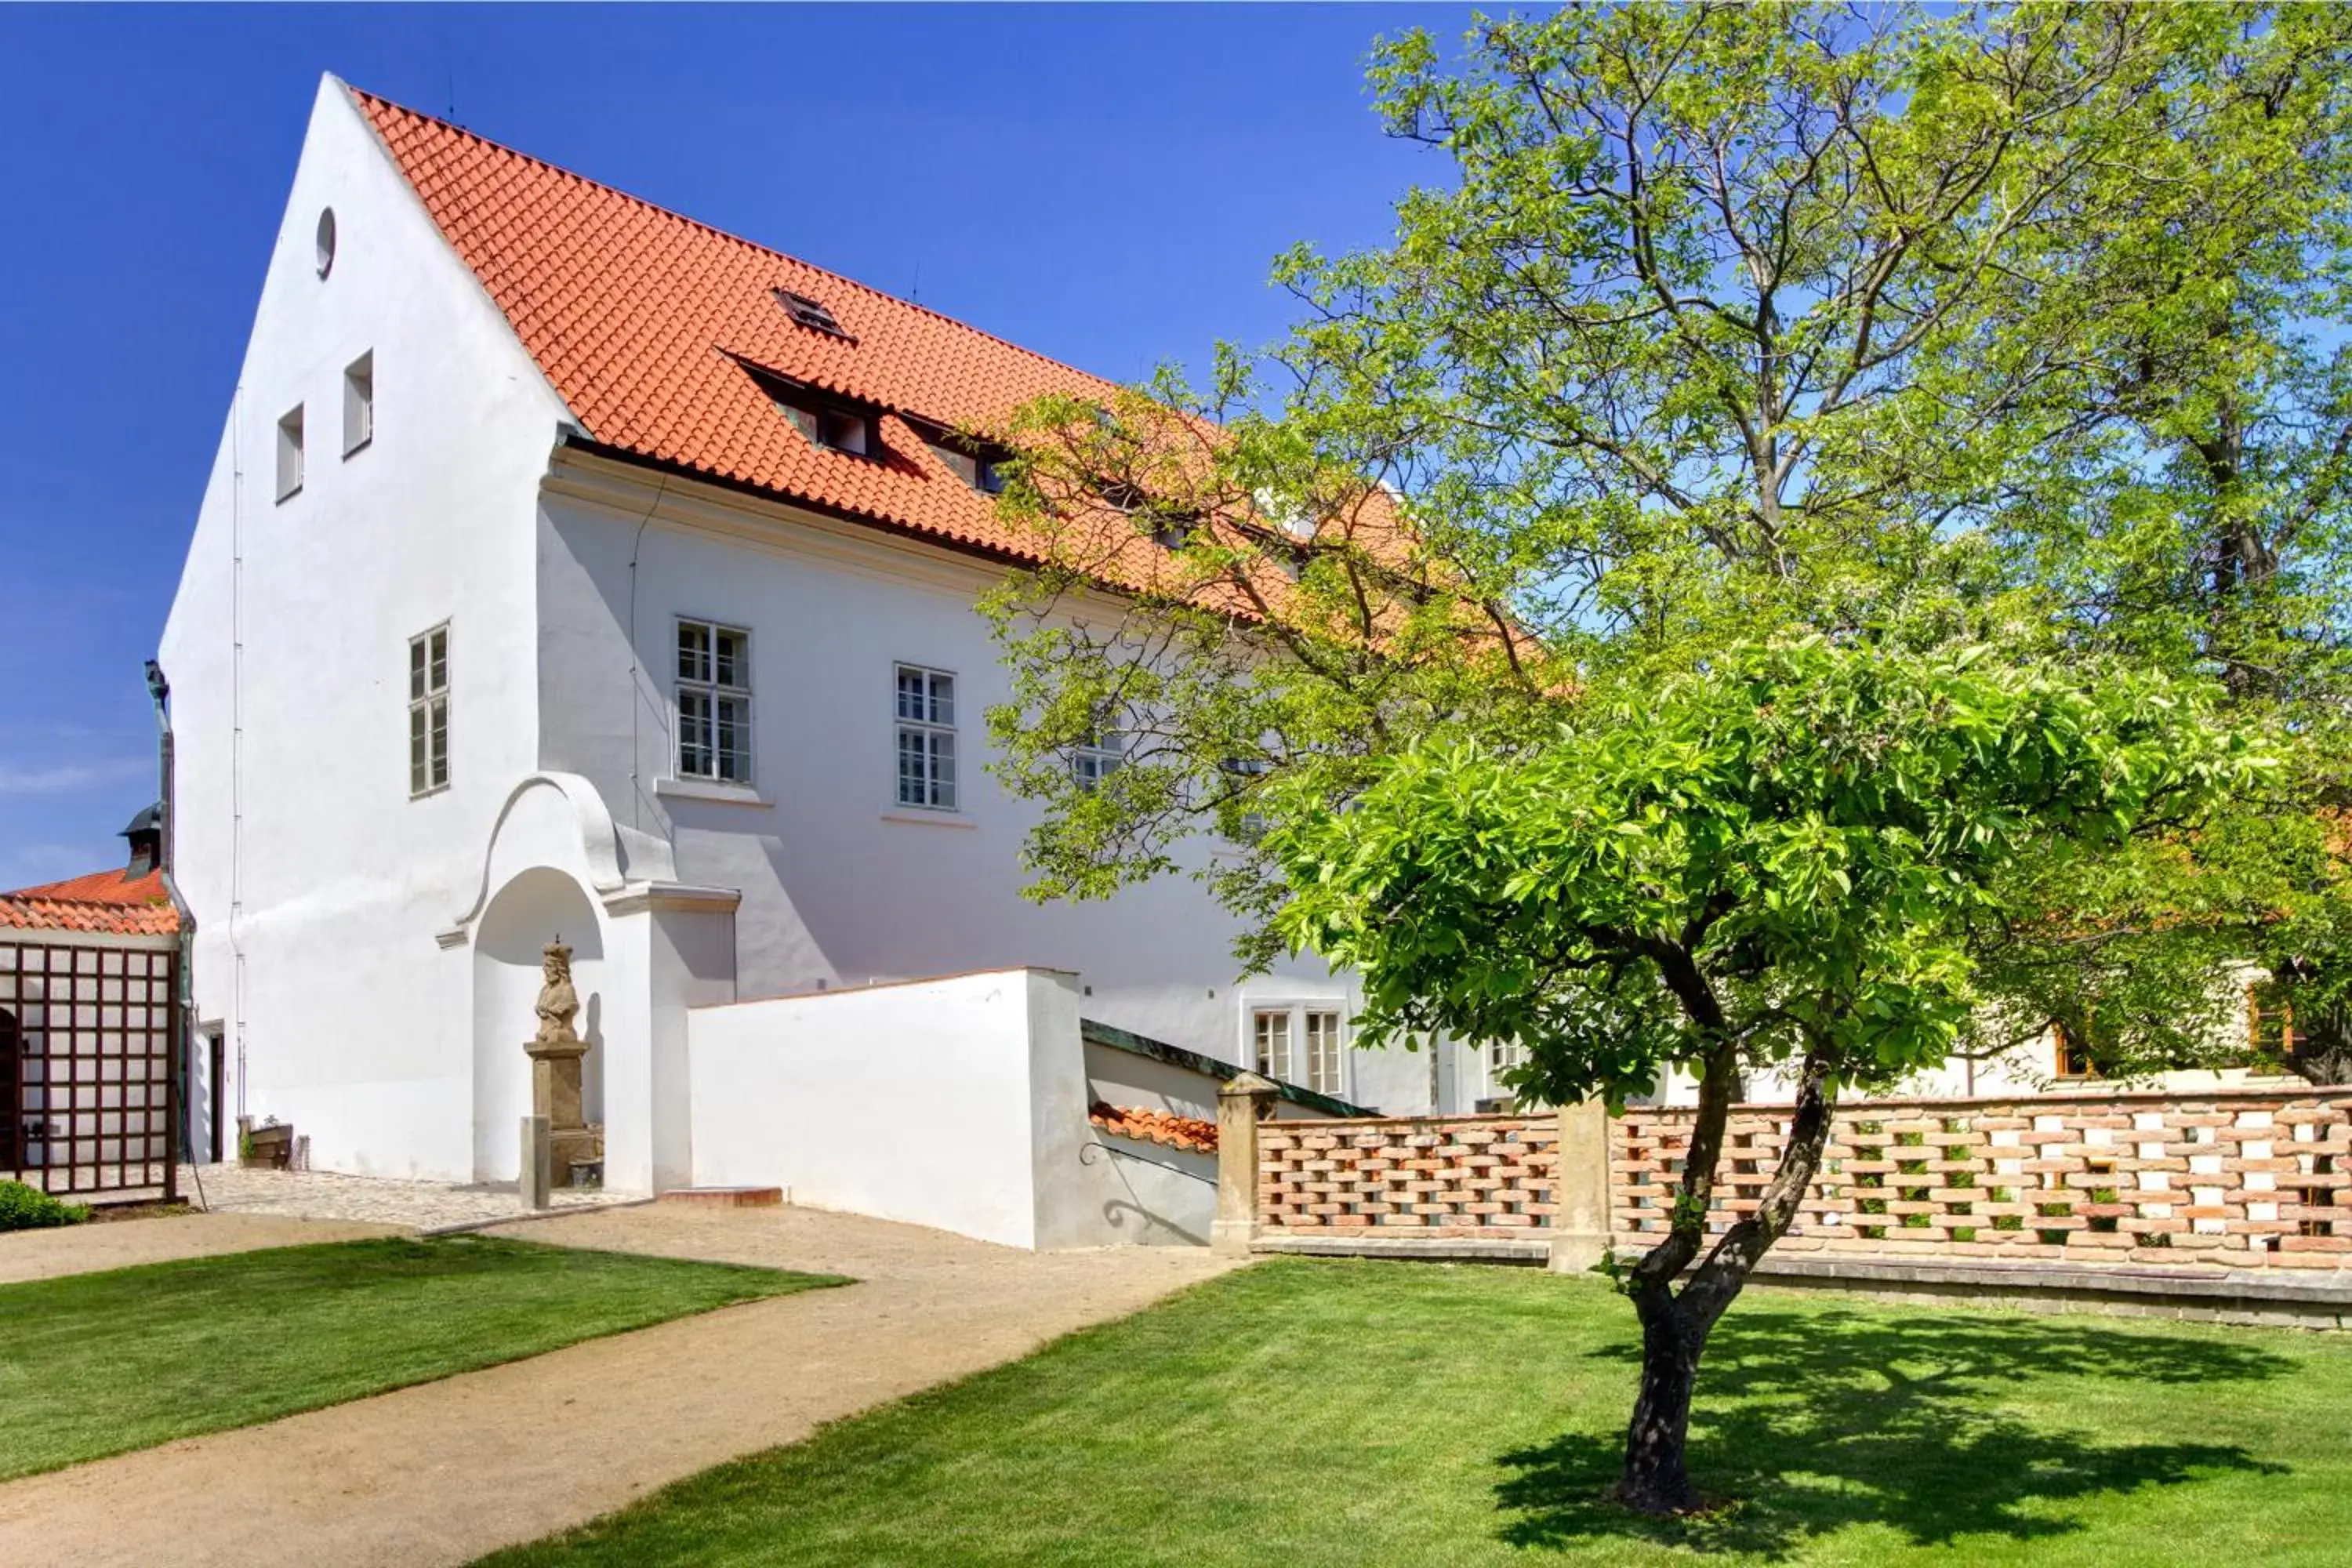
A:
(29, 1208)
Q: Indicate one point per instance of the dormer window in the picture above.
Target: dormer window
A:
(1172, 527)
(825, 421)
(835, 428)
(810, 313)
(977, 467)
(1288, 515)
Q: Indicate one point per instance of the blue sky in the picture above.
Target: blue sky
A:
(1103, 184)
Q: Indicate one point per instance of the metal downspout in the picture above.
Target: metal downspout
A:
(183, 1036)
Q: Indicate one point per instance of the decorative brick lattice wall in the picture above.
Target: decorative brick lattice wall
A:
(2228, 1179)
(1476, 1176)
(2231, 1180)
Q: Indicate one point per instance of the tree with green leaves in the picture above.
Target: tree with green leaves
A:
(1813, 532)
(1775, 863)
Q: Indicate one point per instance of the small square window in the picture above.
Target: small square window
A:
(1097, 756)
(843, 431)
(2073, 1060)
(1174, 533)
(359, 402)
(811, 313)
(289, 453)
(1243, 775)
(982, 470)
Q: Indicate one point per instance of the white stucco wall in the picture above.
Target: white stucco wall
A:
(317, 883)
(956, 1103)
(840, 887)
(1132, 1082)
(353, 943)
(1171, 1194)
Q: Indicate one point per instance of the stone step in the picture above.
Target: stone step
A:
(726, 1197)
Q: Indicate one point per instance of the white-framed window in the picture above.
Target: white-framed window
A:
(1100, 753)
(1243, 772)
(359, 402)
(1271, 1028)
(925, 709)
(289, 453)
(1327, 1052)
(714, 701)
(428, 711)
(1502, 1057)
(1301, 1042)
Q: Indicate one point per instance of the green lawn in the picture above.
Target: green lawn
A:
(1310, 1412)
(97, 1364)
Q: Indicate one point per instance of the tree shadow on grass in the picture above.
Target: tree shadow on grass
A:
(1809, 1422)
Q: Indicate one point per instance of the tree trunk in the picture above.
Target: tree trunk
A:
(2324, 1057)
(1675, 1325)
(1656, 1478)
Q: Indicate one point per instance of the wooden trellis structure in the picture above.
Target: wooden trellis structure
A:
(88, 1089)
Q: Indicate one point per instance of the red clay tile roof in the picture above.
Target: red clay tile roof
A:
(642, 322)
(1189, 1132)
(103, 901)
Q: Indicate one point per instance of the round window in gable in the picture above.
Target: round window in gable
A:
(326, 240)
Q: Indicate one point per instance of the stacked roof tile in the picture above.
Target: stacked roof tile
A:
(1187, 1133)
(108, 903)
(643, 323)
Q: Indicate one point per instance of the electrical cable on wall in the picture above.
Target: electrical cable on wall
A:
(636, 796)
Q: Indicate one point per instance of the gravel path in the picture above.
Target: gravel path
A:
(118, 1243)
(429, 1206)
(444, 1472)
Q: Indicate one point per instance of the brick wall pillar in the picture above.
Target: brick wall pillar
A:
(1242, 1103)
(1580, 1218)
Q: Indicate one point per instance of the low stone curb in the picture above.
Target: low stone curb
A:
(2237, 1297)
(1426, 1249)
(528, 1216)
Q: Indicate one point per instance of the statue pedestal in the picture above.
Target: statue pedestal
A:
(555, 1095)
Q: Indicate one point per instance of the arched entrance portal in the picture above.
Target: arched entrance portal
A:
(534, 908)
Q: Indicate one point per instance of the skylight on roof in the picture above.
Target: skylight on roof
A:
(808, 313)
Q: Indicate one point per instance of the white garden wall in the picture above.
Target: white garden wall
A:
(957, 1103)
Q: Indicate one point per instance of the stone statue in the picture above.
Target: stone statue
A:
(555, 1052)
(558, 1002)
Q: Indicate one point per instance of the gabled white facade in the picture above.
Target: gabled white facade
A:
(370, 956)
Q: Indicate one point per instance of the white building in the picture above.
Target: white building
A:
(570, 567)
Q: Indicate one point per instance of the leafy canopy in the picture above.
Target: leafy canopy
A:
(1784, 854)
(1981, 327)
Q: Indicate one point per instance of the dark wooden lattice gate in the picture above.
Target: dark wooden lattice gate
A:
(86, 1070)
